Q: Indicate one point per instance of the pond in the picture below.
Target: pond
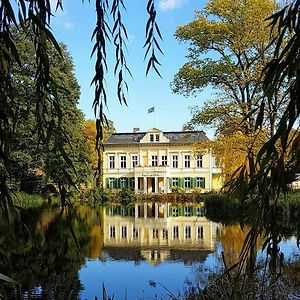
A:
(138, 251)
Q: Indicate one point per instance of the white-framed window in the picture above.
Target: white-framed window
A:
(200, 182)
(134, 161)
(187, 232)
(187, 160)
(157, 138)
(151, 137)
(123, 161)
(175, 232)
(175, 181)
(175, 211)
(200, 212)
(175, 161)
(124, 232)
(111, 161)
(135, 233)
(154, 161)
(187, 182)
(165, 234)
(187, 211)
(155, 233)
(111, 183)
(123, 182)
(200, 233)
(199, 161)
(164, 160)
(112, 232)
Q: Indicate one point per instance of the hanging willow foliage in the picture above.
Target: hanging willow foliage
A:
(35, 15)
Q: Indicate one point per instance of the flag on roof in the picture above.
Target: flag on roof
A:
(151, 110)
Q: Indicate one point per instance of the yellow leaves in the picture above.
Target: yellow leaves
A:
(231, 151)
(89, 132)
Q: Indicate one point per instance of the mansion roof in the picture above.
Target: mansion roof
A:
(174, 137)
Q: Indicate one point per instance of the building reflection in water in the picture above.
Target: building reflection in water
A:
(158, 232)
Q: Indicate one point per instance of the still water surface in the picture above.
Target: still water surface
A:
(141, 251)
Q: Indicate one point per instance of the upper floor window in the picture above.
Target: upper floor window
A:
(135, 233)
(187, 182)
(157, 137)
(111, 161)
(174, 161)
(154, 137)
(134, 160)
(151, 137)
(187, 161)
(112, 232)
(188, 232)
(123, 161)
(200, 182)
(175, 232)
(200, 212)
(154, 161)
(200, 232)
(124, 232)
(165, 234)
(164, 160)
(199, 161)
(155, 233)
(175, 212)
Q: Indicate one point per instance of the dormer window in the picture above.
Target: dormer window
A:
(154, 137)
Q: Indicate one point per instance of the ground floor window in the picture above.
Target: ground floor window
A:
(135, 233)
(188, 232)
(200, 232)
(124, 232)
(200, 182)
(112, 232)
(175, 232)
(187, 182)
(175, 181)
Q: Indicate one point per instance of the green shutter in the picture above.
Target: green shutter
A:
(170, 182)
(170, 211)
(180, 182)
(194, 182)
(106, 182)
(203, 182)
(180, 211)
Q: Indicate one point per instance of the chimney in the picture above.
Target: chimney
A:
(136, 129)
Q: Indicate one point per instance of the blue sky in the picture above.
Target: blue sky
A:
(74, 27)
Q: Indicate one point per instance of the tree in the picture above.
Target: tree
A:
(29, 155)
(228, 50)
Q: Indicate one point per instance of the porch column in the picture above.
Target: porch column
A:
(165, 210)
(156, 210)
(156, 185)
(145, 210)
(145, 185)
(136, 184)
(136, 210)
(165, 185)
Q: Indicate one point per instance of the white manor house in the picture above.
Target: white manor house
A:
(157, 162)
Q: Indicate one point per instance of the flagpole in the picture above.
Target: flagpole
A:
(154, 119)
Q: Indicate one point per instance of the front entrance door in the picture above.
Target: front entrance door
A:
(153, 184)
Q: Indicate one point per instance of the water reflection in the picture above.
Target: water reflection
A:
(158, 232)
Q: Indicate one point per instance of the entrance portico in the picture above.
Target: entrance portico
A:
(151, 184)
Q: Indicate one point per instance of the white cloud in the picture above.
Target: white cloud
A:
(165, 5)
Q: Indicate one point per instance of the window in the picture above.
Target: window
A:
(175, 232)
(155, 233)
(187, 182)
(200, 212)
(199, 161)
(134, 160)
(157, 137)
(111, 161)
(154, 161)
(165, 234)
(124, 232)
(164, 160)
(112, 232)
(135, 233)
(175, 181)
(200, 182)
(123, 182)
(151, 137)
(111, 182)
(175, 211)
(187, 231)
(132, 182)
(187, 211)
(187, 161)
(174, 161)
(123, 161)
(200, 232)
